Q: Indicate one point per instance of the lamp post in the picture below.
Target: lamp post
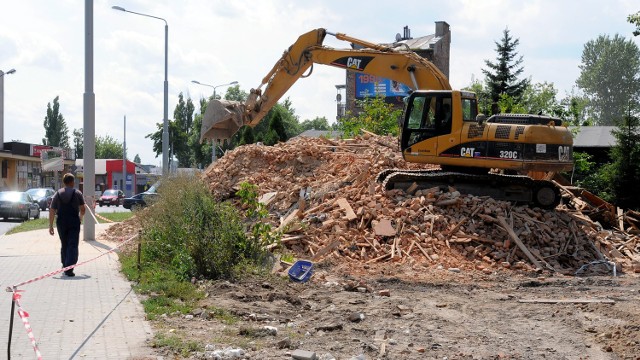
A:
(214, 86)
(213, 141)
(165, 126)
(2, 74)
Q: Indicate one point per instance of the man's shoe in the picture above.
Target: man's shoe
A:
(70, 273)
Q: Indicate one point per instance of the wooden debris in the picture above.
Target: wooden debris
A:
(441, 224)
(567, 301)
(344, 205)
(521, 245)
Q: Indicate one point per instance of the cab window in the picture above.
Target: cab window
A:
(469, 109)
(415, 115)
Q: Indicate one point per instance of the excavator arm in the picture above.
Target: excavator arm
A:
(223, 118)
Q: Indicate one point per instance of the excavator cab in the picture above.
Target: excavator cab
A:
(432, 120)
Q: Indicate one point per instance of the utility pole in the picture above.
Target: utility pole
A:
(89, 101)
(124, 158)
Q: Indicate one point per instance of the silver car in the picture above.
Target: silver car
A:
(15, 204)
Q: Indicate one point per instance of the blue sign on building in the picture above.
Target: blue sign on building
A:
(371, 86)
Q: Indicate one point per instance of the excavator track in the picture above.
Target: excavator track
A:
(514, 188)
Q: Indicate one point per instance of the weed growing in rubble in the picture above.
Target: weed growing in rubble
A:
(174, 342)
(194, 235)
(260, 230)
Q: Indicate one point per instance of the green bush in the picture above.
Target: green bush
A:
(194, 235)
(376, 116)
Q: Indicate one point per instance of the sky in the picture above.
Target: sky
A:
(217, 42)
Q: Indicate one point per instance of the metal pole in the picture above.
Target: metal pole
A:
(1, 110)
(89, 100)
(213, 141)
(13, 308)
(124, 158)
(165, 128)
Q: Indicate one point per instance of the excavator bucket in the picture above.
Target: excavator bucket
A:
(221, 120)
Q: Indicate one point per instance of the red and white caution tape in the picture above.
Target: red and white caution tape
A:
(24, 316)
(95, 214)
(12, 288)
(91, 212)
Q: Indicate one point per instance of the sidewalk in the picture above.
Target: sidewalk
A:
(94, 315)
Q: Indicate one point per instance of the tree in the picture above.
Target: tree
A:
(56, 132)
(376, 116)
(179, 132)
(319, 123)
(78, 142)
(137, 160)
(235, 94)
(626, 162)
(575, 106)
(541, 98)
(634, 19)
(610, 77)
(502, 75)
(483, 95)
(200, 153)
(276, 126)
(246, 136)
(108, 148)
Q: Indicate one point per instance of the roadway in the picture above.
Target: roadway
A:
(6, 225)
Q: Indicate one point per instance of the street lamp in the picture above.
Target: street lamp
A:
(214, 87)
(165, 126)
(2, 73)
(213, 141)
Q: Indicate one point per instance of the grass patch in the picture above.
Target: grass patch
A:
(30, 225)
(176, 344)
(158, 305)
(167, 293)
(42, 223)
(224, 316)
(116, 216)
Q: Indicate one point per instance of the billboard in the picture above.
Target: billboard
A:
(371, 86)
(52, 160)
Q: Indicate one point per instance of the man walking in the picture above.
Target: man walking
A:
(68, 204)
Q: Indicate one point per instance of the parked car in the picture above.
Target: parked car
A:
(43, 196)
(139, 200)
(111, 197)
(15, 204)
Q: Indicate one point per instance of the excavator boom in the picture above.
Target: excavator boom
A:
(223, 118)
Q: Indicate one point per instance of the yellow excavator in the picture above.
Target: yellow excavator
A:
(439, 125)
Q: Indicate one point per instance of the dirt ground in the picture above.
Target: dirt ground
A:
(431, 312)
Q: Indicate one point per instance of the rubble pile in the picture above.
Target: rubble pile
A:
(323, 196)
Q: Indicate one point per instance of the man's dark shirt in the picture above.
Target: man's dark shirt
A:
(68, 195)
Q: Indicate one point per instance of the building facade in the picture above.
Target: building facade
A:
(25, 166)
(359, 86)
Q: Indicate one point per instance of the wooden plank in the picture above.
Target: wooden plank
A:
(294, 214)
(567, 301)
(267, 198)
(620, 219)
(326, 250)
(424, 252)
(455, 228)
(344, 205)
(412, 188)
(377, 259)
(519, 242)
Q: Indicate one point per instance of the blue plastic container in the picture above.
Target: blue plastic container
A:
(301, 271)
